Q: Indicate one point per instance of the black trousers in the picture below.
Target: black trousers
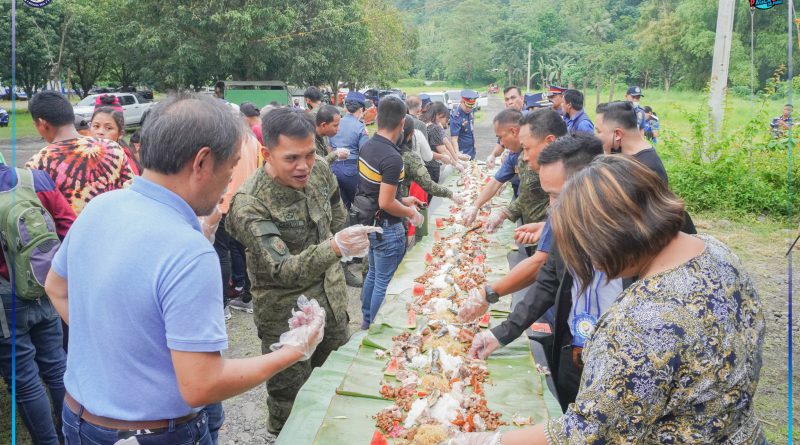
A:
(567, 379)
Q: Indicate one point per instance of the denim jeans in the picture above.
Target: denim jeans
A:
(80, 432)
(40, 361)
(239, 276)
(347, 175)
(216, 417)
(384, 257)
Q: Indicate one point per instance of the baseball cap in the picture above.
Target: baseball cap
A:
(635, 91)
(249, 110)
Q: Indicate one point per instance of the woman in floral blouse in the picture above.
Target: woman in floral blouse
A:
(676, 360)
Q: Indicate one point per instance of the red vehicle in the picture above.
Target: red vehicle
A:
(494, 89)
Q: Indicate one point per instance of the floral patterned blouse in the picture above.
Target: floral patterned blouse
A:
(675, 361)
(83, 168)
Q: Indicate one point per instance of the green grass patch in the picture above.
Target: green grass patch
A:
(24, 122)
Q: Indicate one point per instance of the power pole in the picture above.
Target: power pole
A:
(719, 69)
(528, 87)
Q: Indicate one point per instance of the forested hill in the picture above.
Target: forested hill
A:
(657, 43)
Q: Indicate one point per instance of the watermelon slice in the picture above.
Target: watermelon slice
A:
(419, 289)
(436, 236)
(480, 259)
(439, 222)
(484, 323)
(412, 318)
(378, 439)
(428, 258)
(391, 368)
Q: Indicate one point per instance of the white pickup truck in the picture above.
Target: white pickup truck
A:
(133, 106)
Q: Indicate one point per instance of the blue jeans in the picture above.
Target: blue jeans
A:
(79, 432)
(384, 257)
(347, 175)
(40, 361)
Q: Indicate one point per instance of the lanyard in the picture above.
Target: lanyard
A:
(587, 300)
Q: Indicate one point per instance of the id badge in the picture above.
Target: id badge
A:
(582, 328)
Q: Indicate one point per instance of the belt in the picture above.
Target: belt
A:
(115, 424)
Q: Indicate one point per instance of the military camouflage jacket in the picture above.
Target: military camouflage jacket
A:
(416, 171)
(321, 146)
(531, 204)
(286, 234)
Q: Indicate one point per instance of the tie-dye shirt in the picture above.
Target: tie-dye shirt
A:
(83, 168)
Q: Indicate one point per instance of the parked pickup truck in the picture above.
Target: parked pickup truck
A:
(134, 106)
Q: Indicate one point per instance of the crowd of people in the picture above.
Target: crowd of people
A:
(657, 331)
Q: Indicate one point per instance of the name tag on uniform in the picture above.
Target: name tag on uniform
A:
(294, 224)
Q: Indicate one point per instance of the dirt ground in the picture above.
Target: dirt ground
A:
(760, 243)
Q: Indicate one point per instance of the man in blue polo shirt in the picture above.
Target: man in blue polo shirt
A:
(145, 309)
(506, 128)
(574, 116)
(462, 121)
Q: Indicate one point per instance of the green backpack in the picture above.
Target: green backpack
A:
(28, 237)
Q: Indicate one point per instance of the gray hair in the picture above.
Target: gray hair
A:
(178, 127)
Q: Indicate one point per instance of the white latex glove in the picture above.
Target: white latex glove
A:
(496, 219)
(483, 345)
(417, 219)
(459, 166)
(353, 241)
(458, 199)
(469, 215)
(342, 153)
(307, 329)
(463, 157)
(210, 230)
(488, 438)
(474, 306)
(490, 160)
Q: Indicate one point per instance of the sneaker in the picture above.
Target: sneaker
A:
(240, 305)
(227, 313)
(351, 279)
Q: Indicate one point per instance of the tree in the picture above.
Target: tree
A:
(468, 46)
(86, 42)
(36, 38)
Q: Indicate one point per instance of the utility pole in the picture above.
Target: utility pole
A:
(719, 68)
(528, 79)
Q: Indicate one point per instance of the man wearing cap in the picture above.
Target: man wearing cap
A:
(556, 95)
(462, 121)
(313, 98)
(633, 95)
(352, 136)
(426, 102)
(536, 101)
(574, 116)
(252, 117)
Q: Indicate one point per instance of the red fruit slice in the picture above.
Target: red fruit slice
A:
(428, 258)
(484, 323)
(480, 259)
(412, 318)
(439, 222)
(391, 368)
(419, 289)
(378, 439)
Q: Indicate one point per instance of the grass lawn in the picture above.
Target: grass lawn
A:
(24, 122)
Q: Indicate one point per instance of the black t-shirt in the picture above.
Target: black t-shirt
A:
(650, 158)
(379, 161)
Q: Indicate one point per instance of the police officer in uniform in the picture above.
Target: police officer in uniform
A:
(633, 96)
(556, 95)
(290, 218)
(352, 136)
(462, 121)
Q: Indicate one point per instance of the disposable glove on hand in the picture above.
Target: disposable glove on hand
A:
(458, 199)
(469, 215)
(489, 438)
(483, 345)
(490, 160)
(463, 157)
(496, 219)
(342, 153)
(417, 219)
(307, 329)
(353, 241)
(474, 306)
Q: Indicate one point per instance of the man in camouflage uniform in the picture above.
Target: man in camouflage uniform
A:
(531, 204)
(327, 119)
(286, 215)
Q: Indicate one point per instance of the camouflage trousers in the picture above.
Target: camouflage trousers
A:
(283, 387)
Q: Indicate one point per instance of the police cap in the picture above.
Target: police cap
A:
(635, 91)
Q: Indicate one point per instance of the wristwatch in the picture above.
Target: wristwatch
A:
(491, 296)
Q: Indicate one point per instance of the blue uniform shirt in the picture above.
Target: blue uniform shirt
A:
(639, 116)
(352, 135)
(135, 298)
(651, 125)
(546, 238)
(461, 124)
(580, 122)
